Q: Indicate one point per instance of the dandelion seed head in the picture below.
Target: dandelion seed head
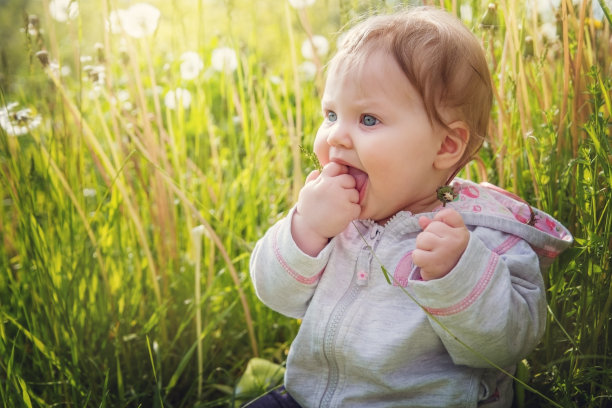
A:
(65, 70)
(33, 26)
(89, 192)
(318, 45)
(224, 59)
(307, 70)
(123, 95)
(18, 122)
(191, 65)
(177, 96)
(54, 69)
(545, 8)
(113, 24)
(467, 13)
(96, 73)
(138, 21)
(548, 33)
(300, 4)
(63, 10)
(275, 79)
(198, 230)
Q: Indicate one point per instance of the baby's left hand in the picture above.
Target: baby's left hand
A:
(441, 244)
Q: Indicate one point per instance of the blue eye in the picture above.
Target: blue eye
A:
(331, 116)
(369, 120)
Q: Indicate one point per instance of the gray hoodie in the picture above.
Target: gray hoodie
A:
(365, 342)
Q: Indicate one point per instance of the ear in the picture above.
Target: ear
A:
(453, 145)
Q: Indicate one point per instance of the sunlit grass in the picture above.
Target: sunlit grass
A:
(127, 223)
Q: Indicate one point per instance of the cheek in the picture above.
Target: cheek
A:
(321, 148)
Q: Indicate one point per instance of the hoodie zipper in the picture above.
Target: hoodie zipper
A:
(338, 314)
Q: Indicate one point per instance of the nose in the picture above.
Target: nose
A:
(340, 135)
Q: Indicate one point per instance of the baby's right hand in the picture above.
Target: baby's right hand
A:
(326, 204)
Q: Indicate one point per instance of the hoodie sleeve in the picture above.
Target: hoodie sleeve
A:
(284, 277)
(493, 300)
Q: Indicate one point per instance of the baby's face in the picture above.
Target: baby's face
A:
(375, 123)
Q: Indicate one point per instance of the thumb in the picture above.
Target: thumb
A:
(312, 175)
(424, 222)
(450, 217)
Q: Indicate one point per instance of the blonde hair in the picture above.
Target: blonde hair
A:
(440, 57)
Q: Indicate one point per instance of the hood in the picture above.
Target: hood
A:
(490, 206)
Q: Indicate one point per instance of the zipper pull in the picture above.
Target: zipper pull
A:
(374, 232)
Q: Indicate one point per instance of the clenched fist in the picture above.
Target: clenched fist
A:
(327, 203)
(441, 244)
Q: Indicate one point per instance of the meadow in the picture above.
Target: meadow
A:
(145, 147)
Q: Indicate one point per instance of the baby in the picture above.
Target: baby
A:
(406, 105)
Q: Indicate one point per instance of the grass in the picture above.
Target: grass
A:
(126, 226)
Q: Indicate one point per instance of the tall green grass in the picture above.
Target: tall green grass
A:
(126, 226)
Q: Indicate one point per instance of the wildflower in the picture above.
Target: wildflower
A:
(18, 122)
(63, 10)
(489, 20)
(178, 96)
(191, 66)
(307, 70)
(224, 59)
(300, 4)
(138, 21)
(317, 44)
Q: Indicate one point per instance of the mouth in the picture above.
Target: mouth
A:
(361, 180)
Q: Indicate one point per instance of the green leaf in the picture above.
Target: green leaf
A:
(260, 376)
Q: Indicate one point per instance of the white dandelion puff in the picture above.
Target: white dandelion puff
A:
(318, 45)
(548, 33)
(300, 4)
(63, 10)
(114, 21)
(467, 13)
(89, 192)
(307, 70)
(18, 122)
(176, 97)
(198, 231)
(224, 59)
(191, 65)
(275, 79)
(138, 21)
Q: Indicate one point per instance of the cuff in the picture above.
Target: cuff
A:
(301, 266)
(462, 286)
